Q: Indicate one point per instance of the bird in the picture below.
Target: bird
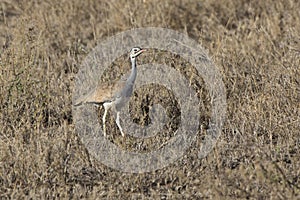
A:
(114, 95)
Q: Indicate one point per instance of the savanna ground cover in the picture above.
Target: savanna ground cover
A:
(254, 44)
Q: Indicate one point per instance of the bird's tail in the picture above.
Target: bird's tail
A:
(89, 98)
(79, 102)
(82, 100)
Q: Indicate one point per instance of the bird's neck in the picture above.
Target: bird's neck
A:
(133, 73)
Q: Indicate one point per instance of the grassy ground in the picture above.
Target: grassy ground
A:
(256, 46)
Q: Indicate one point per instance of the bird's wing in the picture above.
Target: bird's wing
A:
(103, 93)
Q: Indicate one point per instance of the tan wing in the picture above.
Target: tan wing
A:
(102, 93)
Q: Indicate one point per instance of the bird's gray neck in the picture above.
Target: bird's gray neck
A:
(133, 73)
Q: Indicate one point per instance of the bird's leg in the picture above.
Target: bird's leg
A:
(118, 123)
(106, 107)
(103, 122)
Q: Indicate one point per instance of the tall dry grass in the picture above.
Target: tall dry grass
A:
(255, 45)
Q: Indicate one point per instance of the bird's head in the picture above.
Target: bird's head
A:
(135, 52)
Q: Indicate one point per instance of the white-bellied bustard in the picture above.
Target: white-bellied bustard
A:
(114, 95)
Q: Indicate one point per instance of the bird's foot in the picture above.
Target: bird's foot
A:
(123, 134)
(104, 131)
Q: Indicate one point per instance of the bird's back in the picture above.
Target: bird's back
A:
(103, 93)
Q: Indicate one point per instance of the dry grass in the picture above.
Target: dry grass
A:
(256, 46)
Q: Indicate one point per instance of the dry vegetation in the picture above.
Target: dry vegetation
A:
(256, 46)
